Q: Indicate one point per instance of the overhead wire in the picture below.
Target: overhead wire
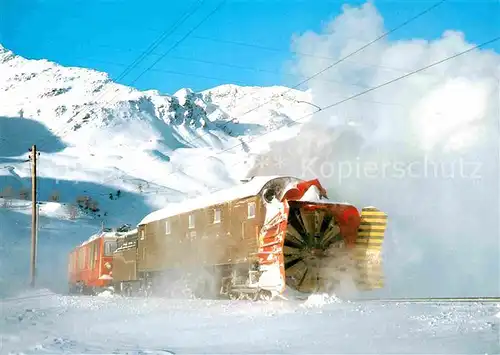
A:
(355, 96)
(251, 45)
(148, 51)
(228, 65)
(427, 10)
(217, 8)
(170, 49)
(303, 81)
(158, 41)
(374, 88)
(420, 14)
(181, 40)
(256, 69)
(379, 86)
(299, 54)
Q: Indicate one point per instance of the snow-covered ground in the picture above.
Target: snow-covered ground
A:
(45, 323)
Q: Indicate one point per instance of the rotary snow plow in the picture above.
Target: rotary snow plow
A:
(251, 241)
(323, 242)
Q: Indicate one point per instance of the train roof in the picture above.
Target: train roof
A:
(129, 233)
(245, 189)
(109, 235)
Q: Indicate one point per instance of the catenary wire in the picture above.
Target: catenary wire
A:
(168, 51)
(181, 40)
(228, 65)
(427, 10)
(156, 43)
(257, 46)
(352, 97)
(151, 48)
(310, 77)
(159, 40)
(299, 54)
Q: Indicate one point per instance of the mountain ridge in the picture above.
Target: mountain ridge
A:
(93, 130)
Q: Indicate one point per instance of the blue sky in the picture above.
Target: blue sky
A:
(108, 35)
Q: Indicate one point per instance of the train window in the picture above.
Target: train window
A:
(251, 210)
(217, 216)
(81, 261)
(109, 248)
(191, 221)
(96, 254)
(92, 255)
(167, 227)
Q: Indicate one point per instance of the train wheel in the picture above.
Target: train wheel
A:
(127, 290)
(79, 288)
(248, 296)
(265, 295)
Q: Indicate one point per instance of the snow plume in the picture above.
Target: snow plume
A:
(188, 282)
(423, 149)
(319, 300)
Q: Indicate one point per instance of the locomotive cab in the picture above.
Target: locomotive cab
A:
(110, 245)
(91, 263)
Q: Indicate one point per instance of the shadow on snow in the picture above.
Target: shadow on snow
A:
(17, 135)
(58, 233)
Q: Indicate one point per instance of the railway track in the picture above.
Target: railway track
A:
(435, 299)
(382, 300)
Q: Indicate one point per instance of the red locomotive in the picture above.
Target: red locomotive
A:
(90, 266)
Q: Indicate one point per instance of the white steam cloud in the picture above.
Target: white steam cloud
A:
(424, 149)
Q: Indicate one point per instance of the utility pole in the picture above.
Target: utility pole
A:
(34, 214)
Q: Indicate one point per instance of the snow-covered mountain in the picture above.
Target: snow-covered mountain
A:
(97, 137)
